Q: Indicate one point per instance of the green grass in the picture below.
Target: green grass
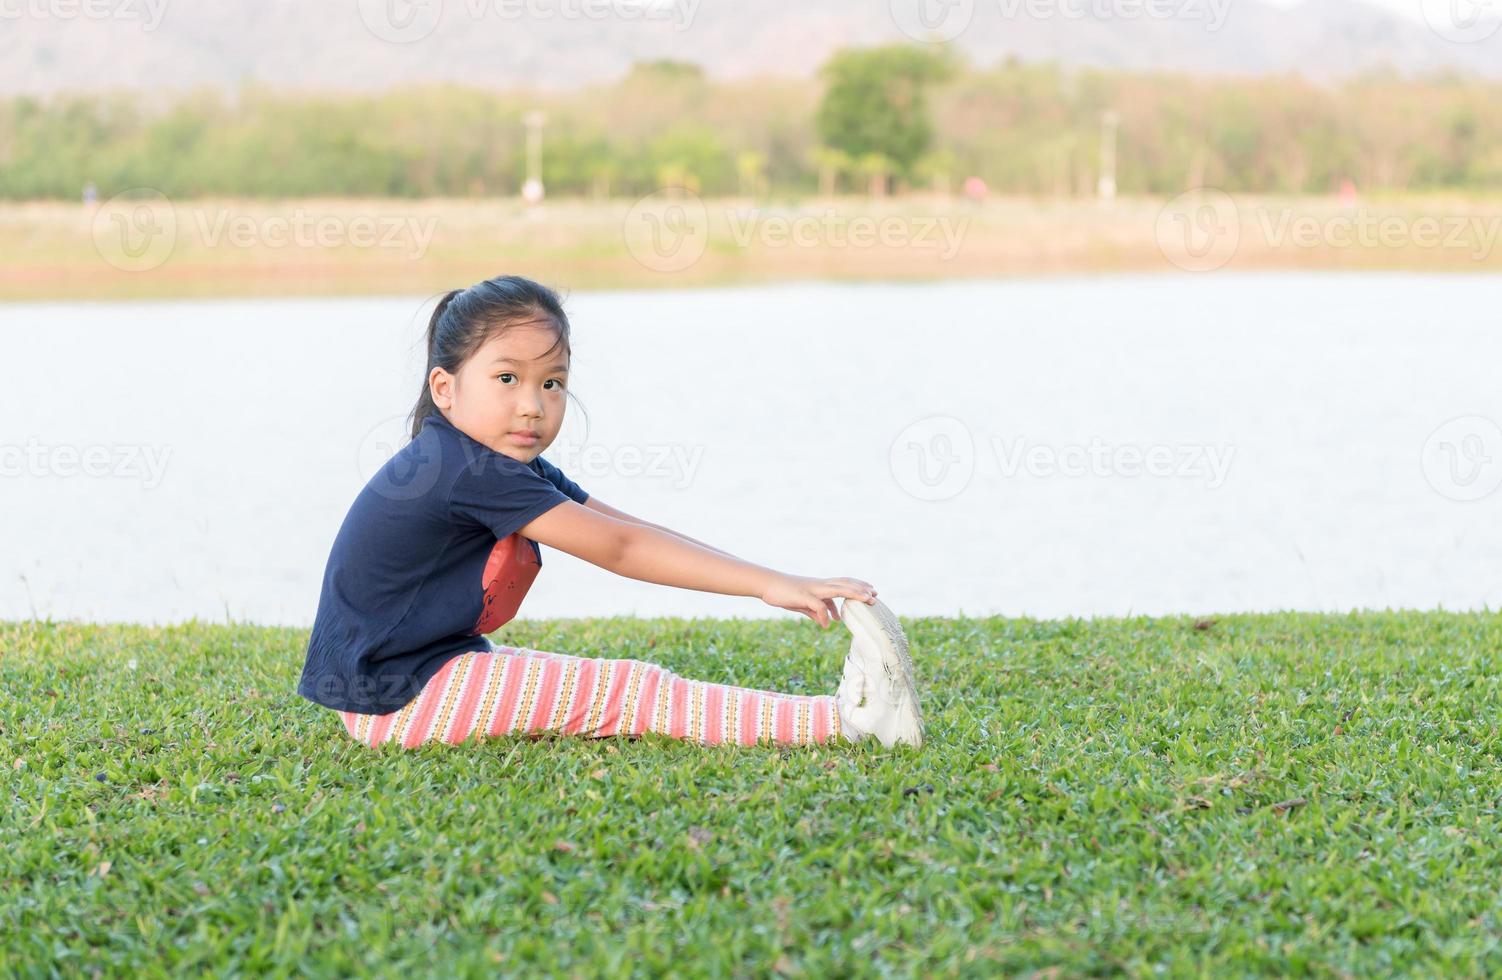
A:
(1270, 794)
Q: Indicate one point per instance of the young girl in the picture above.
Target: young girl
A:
(441, 545)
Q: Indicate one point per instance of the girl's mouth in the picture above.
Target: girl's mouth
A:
(525, 438)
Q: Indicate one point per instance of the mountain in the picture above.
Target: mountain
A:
(48, 45)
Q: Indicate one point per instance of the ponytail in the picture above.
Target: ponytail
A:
(425, 407)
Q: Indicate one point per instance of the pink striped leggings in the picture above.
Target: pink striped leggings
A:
(513, 690)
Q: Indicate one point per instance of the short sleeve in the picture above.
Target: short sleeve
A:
(502, 494)
(556, 477)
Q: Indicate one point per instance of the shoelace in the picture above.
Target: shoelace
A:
(866, 678)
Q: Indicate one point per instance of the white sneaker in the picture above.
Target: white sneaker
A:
(877, 694)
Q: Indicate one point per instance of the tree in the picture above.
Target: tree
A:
(937, 167)
(875, 168)
(876, 102)
(751, 172)
(665, 71)
(831, 164)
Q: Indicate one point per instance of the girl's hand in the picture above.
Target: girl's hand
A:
(814, 597)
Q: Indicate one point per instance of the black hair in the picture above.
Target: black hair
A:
(466, 318)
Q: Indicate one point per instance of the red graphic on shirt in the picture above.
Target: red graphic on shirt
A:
(513, 564)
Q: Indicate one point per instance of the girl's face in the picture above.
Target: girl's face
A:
(507, 390)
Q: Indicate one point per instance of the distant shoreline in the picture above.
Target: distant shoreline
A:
(346, 247)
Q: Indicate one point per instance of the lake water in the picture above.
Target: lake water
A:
(1058, 447)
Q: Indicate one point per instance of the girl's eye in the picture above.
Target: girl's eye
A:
(507, 374)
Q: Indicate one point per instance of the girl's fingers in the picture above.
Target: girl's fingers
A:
(849, 588)
(833, 612)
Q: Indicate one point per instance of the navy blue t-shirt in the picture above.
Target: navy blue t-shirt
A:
(403, 590)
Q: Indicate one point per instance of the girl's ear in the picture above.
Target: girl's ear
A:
(441, 387)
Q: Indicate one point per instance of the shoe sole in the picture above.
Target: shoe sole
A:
(880, 621)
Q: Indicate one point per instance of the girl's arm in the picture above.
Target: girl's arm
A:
(597, 504)
(650, 554)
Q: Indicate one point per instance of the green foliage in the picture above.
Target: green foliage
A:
(667, 70)
(876, 105)
(873, 115)
(1259, 795)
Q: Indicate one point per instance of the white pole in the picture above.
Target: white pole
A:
(532, 190)
(1108, 122)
